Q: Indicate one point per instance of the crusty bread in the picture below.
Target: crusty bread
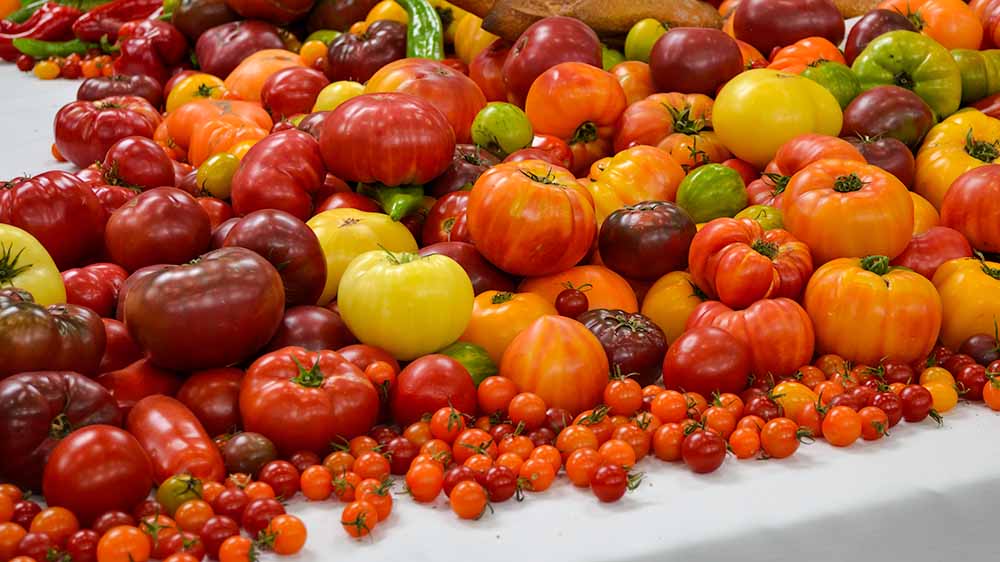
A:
(854, 8)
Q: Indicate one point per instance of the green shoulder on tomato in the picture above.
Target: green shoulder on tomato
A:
(980, 73)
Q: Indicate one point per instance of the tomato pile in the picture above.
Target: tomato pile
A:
(336, 263)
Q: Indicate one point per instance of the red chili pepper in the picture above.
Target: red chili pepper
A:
(105, 20)
(52, 22)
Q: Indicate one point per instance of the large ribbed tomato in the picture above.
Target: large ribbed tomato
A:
(531, 218)
(866, 311)
(560, 360)
(972, 207)
(778, 332)
(791, 158)
(739, 262)
(845, 208)
(680, 124)
(634, 175)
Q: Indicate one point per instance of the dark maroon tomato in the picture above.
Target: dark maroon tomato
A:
(572, 302)
(870, 26)
(41, 408)
(917, 402)
(763, 406)
(706, 360)
(217, 529)
(484, 275)
(281, 12)
(195, 17)
(259, 513)
(383, 434)
(221, 48)
(845, 399)
(95, 286)
(349, 200)
(468, 163)
(284, 171)
(542, 436)
(312, 124)
(312, 327)
(141, 85)
(557, 419)
(139, 163)
(862, 395)
(888, 153)
(189, 183)
(414, 222)
(888, 111)
(290, 246)
(220, 232)
(429, 383)
(894, 372)
(970, 381)
(283, 478)
(231, 502)
(173, 312)
(457, 474)
(218, 211)
(358, 57)
(501, 483)
(633, 343)
(501, 430)
(147, 508)
(338, 14)
(120, 350)
(983, 348)
(401, 452)
(694, 60)
(59, 337)
(85, 130)
(184, 542)
(703, 451)
(546, 43)
(292, 91)
(161, 226)
(890, 403)
(36, 546)
(954, 363)
(60, 211)
(927, 251)
(110, 519)
(767, 24)
(647, 240)
(447, 219)
(181, 173)
(302, 460)
(24, 512)
(213, 396)
(25, 63)
(82, 545)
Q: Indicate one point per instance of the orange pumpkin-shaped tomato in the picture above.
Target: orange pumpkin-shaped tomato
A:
(560, 360)
(949, 22)
(634, 175)
(799, 55)
(573, 96)
(455, 94)
(866, 311)
(498, 317)
(845, 208)
(247, 80)
(604, 288)
(680, 124)
(635, 79)
(791, 158)
(219, 135)
(925, 216)
(181, 124)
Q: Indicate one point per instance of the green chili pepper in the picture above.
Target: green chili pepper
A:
(424, 34)
(398, 201)
(44, 49)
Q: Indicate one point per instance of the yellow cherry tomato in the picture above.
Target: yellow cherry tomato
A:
(793, 397)
(46, 70)
(333, 95)
(936, 375)
(945, 396)
(387, 10)
(194, 87)
(670, 301)
(25, 264)
(311, 51)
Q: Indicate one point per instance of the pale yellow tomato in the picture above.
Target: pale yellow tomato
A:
(334, 94)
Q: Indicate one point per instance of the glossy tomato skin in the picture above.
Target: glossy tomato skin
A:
(56, 337)
(767, 24)
(175, 440)
(546, 43)
(220, 49)
(870, 26)
(85, 130)
(484, 275)
(140, 85)
(218, 211)
(971, 207)
(467, 164)
(40, 409)
(95, 286)
(927, 251)
(647, 240)
(283, 171)
(888, 153)
(349, 200)
(706, 360)
(292, 91)
(486, 70)
(182, 229)
(430, 383)
(60, 211)
(447, 220)
(703, 451)
(97, 469)
(290, 246)
(694, 60)
(330, 398)
(136, 381)
(172, 312)
(312, 327)
(359, 57)
(120, 350)
(633, 343)
(138, 162)
(213, 397)
(889, 111)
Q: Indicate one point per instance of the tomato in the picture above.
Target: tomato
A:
(602, 287)
(236, 549)
(670, 301)
(498, 317)
(791, 158)
(636, 174)
(181, 125)
(798, 56)
(964, 286)
(745, 443)
(958, 144)
(164, 426)
(27, 265)
(378, 493)
(641, 38)
(430, 383)
(123, 544)
(779, 438)
(926, 252)
(85, 130)
(192, 87)
(292, 91)
(581, 466)
(543, 196)
(970, 205)
(635, 79)
(184, 232)
(680, 124)
(213, 397)
(545, 44)
(468, 500)
(289, 534)
(95, 286)
(537, 475)
(842, 426)
(291, 165)
(696, 361)
(694, 60)
(424, 481)
(991, 390)
(949, 22)
(793, 397)
(333, 95)
(331, 398)
(798, 104)
(703, 451)
(56, 522)
(571, 96)
(359, 518)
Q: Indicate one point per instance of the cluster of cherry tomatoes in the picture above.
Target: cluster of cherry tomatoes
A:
(91, 65)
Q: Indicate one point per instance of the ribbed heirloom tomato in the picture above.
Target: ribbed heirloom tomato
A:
(964, 141)
(572, 96)
(972, 206)
(791, 158)
(680, 124)
(634, 175)
(968, 289)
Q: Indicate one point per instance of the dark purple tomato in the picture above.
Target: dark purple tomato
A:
(140, 85)
(161, 226)
(312, 327)
(259, 513)
(870, 26)
(887, 153)
(557, 419)
(484, 275)
(762, 406)
(283, 478)
(767, 24)
(217, 529)
(358, 56)
(302, 460)
(221, 48)
(247, 452)
(632, 342)
(468, 163)
(888, 111)
(401, 452)
(895, 371)
(647, 240)
(457, 474)
(694, 60)
(983, 348)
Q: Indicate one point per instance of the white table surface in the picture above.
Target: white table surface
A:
(923, 494)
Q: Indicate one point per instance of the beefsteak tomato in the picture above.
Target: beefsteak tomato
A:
(85, 130)
(964, 141)
(972, 207)
(634, 175)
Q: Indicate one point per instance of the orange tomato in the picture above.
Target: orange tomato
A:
(925, 216)
(635, 79)
(799, 55)
(793, 397)
(220, 135)
(680, 124)
(949, 22)
(604, 288)
(571, 96)
(182, 124)
(634, 175)
(247, 79)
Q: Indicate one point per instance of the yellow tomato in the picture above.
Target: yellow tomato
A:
(194, 87)
(769, 217)
(311, 51)
(945, 396)
(936, 375)
(387, 10)
(925, 216)
(966, 140)
(215, 175)
(405, 304)
(471, 38)
(333, 95)
(344, 234)
(25, 264)
(358, 27)
(497, 318)
(670, 301)
(240, 149)
(640, 173)
(793, 397)
(968, 289)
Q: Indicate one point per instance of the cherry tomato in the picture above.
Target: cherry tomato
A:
(289, 534)
(111, 519)
(745, 443)
(237, 549)
(56, 522)
(874, 423)
(471, 442)
(610, 481)
(703, 451)
(424, 481)
(446, 424)
(527, 408)
(82, 545)
(454, 475)
(719, 420)
(575, 437)
(123, 544)
(670, 406)
(372, 465)
(6, 509)
(192, 515)
(917, 401)
(377, 493)
(338, 462)
(256, 517)
(617, 452)
(468, 500)
(944, 396)
(495, 393)
(667, 442)
(359, 518)
(842, 426)
(537, 475)
(345, 486)
(10, 537)
(623, 396)
(780, 438)
(259, 490)
(418, 433)
(316, 483)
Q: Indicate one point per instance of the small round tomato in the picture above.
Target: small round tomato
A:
(874, 423)
(316, 483)
(703, 451)
(667, 442)
(944, 396)
(446, 424)
(537, 474)
(468, 499)
(471, 442)
(719, 420)
(495, 394)
(842, 426)
(745, 443)
(780, 438)
(289, 534)
(372, 465)
(424, 481)
(617, 452)
(56, 522)
(932, 375)
(917, 401)
(123, 544)
(669, 406)
(527, 408)
(575, 437)
(359, 518)
(237, 549)
(377, 493)
(623, 396)
(581, 466)
(192, 515)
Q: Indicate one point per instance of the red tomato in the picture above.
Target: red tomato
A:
(972, 205)
(139, 163)
(705, 360)
(183, 229)
(137, 381)
(213, 397)
(486, 70)
(85, 130)
(95, 286)
(174, 440)
(703, 451)
(447, 220)
(928, 250)
(430, 383)
(283, 171)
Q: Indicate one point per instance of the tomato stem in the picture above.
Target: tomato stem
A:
(879, 265)
(683, 123)
(501, 297)
(981, 150)
(779, 181)
(904, 80)
(848, 184)
(765, 248)
(309, 378)
(60, 427)
(585, 133)
(8, 264)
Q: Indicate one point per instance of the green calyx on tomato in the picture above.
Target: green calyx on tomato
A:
(879, 265)
(981, 150)
(60, 427)
(584, 133)
(767, 249)
(848, 184)
(682, 121)
(309, 378)
(501, 297)
(9, 268)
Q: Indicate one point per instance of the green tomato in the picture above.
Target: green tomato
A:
(325, 35)
(502, 128)
(837, 78)
(474, 358)
(769, 217)
(176, 490)
(712, 191)
(915, 62)
(641, 38)
(610, 58)
(980, 73)
(215, 175)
